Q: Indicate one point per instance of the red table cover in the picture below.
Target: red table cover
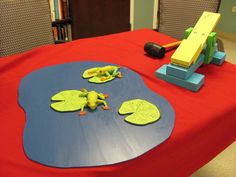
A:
(205, 121)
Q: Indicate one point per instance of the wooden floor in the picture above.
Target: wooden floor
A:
(224, 164)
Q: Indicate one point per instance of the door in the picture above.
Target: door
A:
(99, 17)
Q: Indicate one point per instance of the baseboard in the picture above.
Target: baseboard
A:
(226, 35)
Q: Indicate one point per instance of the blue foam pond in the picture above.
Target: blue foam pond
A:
(100, 137)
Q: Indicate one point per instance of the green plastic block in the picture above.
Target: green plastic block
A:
(187, 32)
(210, 48)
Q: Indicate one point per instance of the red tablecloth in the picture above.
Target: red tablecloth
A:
(205, 121)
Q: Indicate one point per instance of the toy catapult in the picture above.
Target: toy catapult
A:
(198, 47)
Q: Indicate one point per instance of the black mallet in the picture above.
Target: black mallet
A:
(158, 51)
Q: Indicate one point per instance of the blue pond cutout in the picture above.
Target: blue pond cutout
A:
(100, 137)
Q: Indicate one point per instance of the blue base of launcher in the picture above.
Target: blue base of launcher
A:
(186, 77)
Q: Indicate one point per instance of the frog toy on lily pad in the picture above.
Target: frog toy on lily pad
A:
(73, 100)
(102, 74)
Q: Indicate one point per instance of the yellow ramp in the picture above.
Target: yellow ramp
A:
(189, 50)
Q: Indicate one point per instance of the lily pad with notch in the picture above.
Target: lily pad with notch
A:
(68, 100)
(142, 112)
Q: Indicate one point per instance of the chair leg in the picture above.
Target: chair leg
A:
(220, 45)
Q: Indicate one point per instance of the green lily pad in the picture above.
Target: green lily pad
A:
(68, 100)
(142, 112)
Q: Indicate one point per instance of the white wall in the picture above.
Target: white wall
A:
(143, 14)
